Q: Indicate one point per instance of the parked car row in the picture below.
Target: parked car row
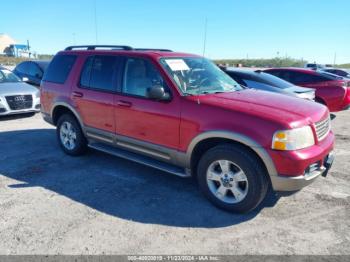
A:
(264, 81)
(181, 114)
(331, 90)
(320, 85)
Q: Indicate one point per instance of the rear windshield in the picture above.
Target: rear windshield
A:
(59, 69)
(331, 76)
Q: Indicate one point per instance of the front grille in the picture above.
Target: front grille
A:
(19, 102)
(322, 128)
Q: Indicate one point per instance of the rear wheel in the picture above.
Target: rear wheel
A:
(232, 178)
(70, 135)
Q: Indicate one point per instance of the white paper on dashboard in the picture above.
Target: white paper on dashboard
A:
(177, 64)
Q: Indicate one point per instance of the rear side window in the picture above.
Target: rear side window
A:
(59, 68)
(23, 68)
(99, 72)
(301, 78)
(35, 71)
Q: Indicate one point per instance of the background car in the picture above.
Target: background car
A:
(31, 71)
(331, 90)
(17, 97)
(317, 66)
(337, 71)
(263, 81)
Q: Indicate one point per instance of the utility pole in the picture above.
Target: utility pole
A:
(205, 35)
(335, 59)
(95, 12)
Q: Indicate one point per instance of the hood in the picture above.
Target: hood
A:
(17, 88)
(289, 111)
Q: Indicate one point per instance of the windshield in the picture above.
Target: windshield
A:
(195, 75)
(7, 76)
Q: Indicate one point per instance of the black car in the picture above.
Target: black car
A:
(338, 72)
(31, 71)
(263, 81)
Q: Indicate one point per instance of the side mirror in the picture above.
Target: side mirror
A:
(25, 79)
(157, 93)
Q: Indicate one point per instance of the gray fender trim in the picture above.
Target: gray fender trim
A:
(258, 149)
(76, 114)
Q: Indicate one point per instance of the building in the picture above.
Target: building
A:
(5, 42)
(9, 47)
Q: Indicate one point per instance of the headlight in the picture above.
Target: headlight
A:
(293, 139)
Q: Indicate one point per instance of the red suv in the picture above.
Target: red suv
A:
(181, 114)
(331, 90)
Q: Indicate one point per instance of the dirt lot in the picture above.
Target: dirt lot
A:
(56, 204)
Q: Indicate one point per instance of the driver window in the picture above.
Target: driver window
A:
(139, 76)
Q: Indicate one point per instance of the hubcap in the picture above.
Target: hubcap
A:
(227, 181)
(68, 135)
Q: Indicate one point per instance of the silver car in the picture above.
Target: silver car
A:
(17, 97)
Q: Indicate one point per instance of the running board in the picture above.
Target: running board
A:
(144, 160)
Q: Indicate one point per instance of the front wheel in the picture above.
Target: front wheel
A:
(232, 178)
(70, 136)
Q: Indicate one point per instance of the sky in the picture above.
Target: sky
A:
(315, 30)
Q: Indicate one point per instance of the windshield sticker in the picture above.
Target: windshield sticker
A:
(177, 64)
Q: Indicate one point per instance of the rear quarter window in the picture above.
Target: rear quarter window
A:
(59, 69)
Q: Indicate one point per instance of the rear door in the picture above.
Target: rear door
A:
(94, 96)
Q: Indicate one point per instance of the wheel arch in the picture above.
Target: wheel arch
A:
(207, 140)
(60, 108)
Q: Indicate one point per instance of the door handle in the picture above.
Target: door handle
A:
(77, 94)
(124, 103)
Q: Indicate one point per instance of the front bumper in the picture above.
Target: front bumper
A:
(297, 169)
(6, 110)
(283, 183)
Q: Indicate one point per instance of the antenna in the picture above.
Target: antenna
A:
(95, 13)
(205, 35)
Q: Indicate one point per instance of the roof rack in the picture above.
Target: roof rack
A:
(153, 49)
(94, 47)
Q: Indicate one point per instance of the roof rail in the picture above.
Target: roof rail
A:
(94, 47)
(153, 49)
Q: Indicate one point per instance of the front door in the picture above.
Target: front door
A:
(143, 123)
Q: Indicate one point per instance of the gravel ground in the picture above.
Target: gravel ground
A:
(51, 203)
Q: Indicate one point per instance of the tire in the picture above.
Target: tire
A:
(70, 136)
(246, 183)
